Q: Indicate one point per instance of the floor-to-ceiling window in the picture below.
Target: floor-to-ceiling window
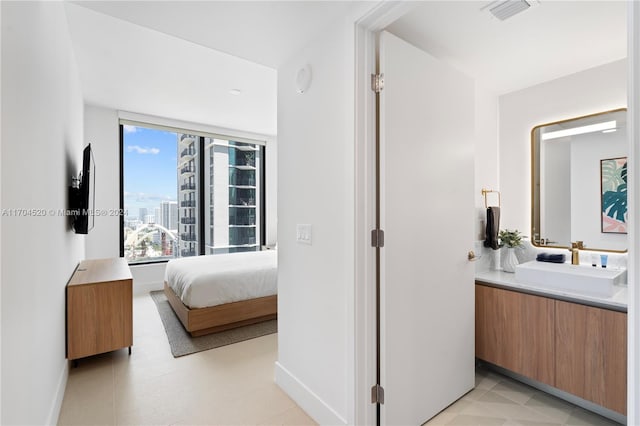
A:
(188, 194)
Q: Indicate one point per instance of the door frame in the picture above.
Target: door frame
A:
(633, 261)
(366, 29)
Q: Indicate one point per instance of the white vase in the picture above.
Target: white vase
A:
(510, 260)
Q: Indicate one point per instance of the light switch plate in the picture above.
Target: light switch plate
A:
(303, 233)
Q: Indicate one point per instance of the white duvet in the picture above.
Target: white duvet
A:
(211, 280)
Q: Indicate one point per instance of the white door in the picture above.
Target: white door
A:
(427, 212)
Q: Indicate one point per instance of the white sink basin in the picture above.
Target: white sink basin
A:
(573, 278)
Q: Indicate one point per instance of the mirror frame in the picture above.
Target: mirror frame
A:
(535, 192)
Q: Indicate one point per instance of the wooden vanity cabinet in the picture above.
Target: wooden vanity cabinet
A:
(515, 331)
(579, 349)
(591, 354)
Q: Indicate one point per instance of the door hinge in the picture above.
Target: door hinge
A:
(377, 394)
(377, 82)
(377, 238)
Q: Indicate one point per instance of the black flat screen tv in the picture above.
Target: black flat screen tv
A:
(83, 196)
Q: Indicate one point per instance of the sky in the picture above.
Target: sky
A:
(150, 169)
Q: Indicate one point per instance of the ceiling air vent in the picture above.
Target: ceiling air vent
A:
(507, 8)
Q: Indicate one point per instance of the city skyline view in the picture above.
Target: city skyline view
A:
(187, 195)
(150, 169)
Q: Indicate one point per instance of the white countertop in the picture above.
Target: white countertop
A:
(508, 280)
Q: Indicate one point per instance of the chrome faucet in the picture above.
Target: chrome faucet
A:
(575, 252)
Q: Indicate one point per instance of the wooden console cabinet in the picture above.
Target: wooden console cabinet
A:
(99, 308)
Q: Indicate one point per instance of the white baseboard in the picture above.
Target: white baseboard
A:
(145, 288)
(315, 407)
(56, 404)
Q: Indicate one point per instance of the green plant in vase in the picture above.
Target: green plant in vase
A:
(511, 240)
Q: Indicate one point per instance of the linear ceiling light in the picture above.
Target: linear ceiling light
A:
(607, 125)
(506, 9)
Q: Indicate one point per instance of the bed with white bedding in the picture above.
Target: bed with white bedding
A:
(217, 292)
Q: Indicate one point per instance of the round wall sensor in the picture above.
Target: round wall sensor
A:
(303, 79)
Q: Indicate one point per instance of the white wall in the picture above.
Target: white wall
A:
(487, 172)
(42, 141)
(101, 129)
(316, 186)
(486, 155)
(597, 89)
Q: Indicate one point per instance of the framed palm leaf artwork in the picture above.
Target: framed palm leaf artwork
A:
(613, 181)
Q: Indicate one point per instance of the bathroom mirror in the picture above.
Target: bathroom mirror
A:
(579, 182)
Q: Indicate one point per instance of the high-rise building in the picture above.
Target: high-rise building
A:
(143, 212)
(232, 178)
(187, 196)
(169, 215)
(232, 204)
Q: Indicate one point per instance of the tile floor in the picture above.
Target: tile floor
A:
(224, 386)
(499, 400)
(234, 385)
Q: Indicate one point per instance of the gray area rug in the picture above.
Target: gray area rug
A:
(181, 341)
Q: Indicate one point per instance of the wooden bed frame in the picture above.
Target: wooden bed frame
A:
(201, 321)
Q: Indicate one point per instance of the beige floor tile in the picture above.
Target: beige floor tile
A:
(263, 403)
(520, 413)
(532, 423)
(486, 379)
(474, 394)
(91, 405)
(203, 409)
(458, 406)
(467, 420)
(480, 409)
(583, 417)
(495, 398)
(441, 419)
(87, 415)
(554, 408)
(89, 396)
(514, 391)
(514, 386)
(293, 416)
